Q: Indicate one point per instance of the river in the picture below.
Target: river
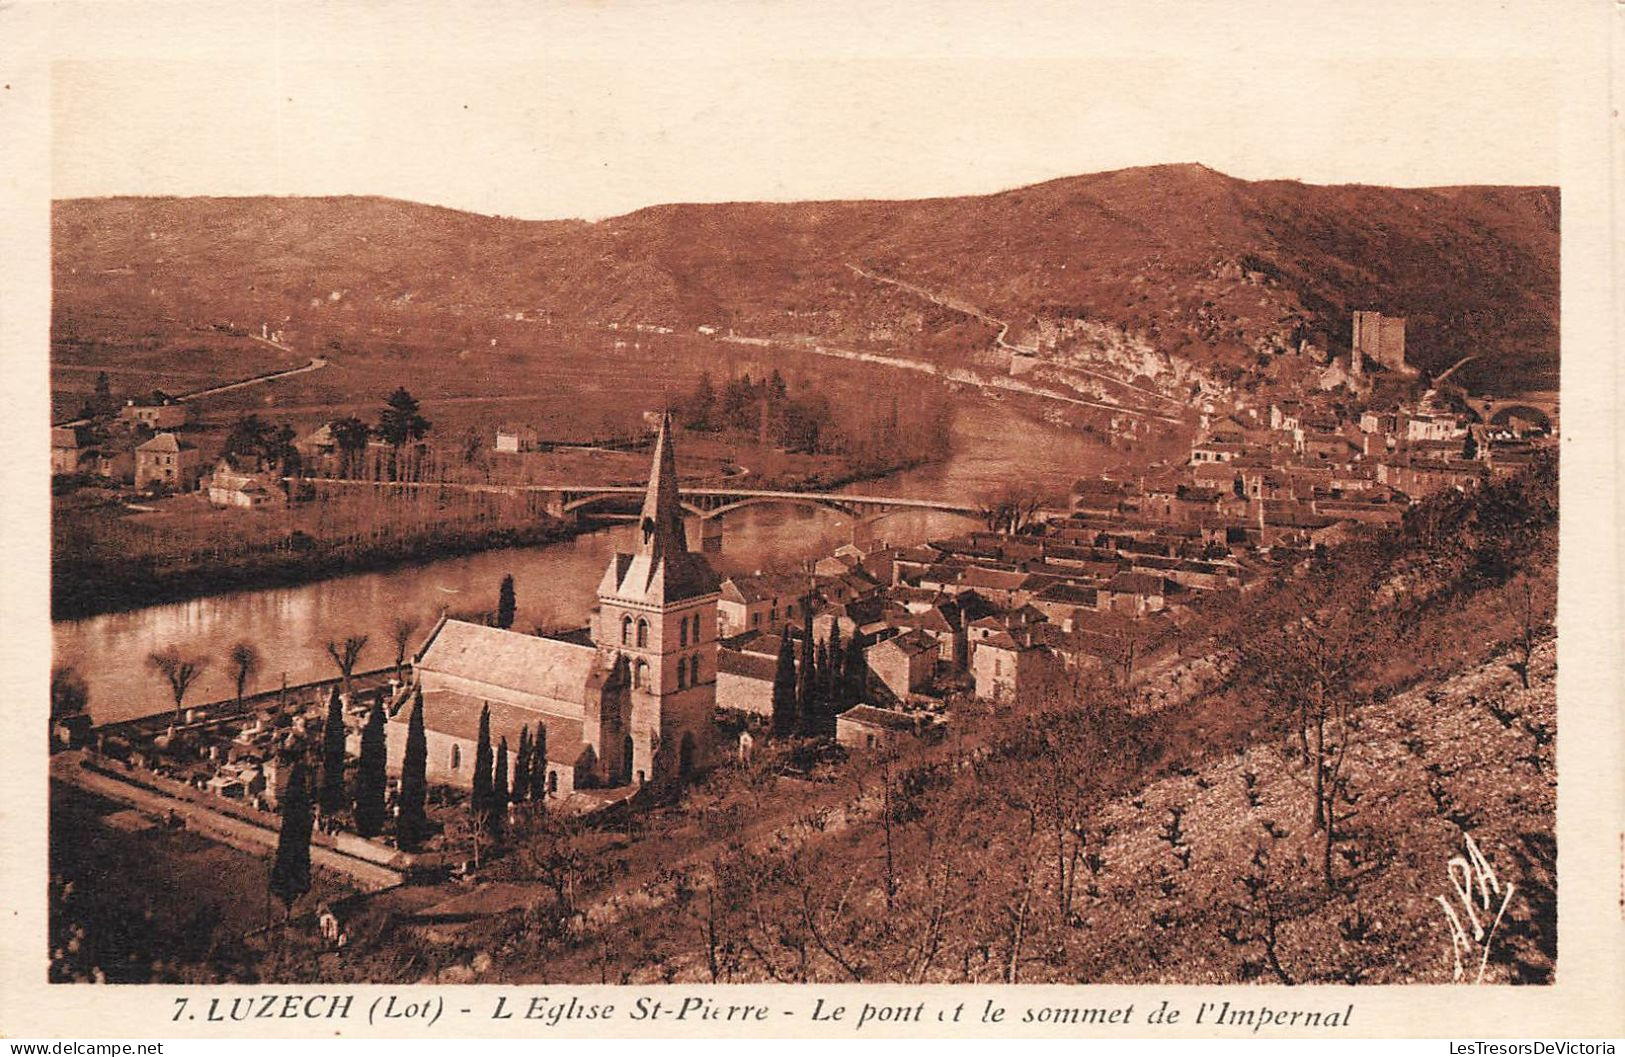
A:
(992, 444)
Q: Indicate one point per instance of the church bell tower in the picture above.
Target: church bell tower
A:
(657, 609)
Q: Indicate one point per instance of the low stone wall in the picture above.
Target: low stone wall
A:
(216, 712)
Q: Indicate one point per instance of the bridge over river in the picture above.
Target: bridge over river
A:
(704, 502)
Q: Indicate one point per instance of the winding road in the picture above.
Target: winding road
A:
(1452, 368)
(316, 363)
(966, 308)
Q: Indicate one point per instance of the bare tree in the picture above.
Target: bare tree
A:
(245, 661)
(345, 655)
(1528, 600)
(886, 758)
(401, 630)
(1310, 669)
(1011, 509)
(178, 670)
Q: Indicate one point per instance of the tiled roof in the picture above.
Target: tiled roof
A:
(1136, 583)
(163, 442)
(510, 659)
(993, 579)
(871, 716)
(764, 587)
(763, 645)
(1066, 594)
(747, 665)
(911, 642)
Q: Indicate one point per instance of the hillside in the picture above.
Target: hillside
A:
(1204, 876)
(1211, 268)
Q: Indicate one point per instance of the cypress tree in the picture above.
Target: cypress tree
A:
(499, 784)
(538, 765)
(506, 603)
(333, 794)
(837, 658)
(822, 681)
(805, 670)
(784, 689)
(290, 872)
(853, 673)
(369, 775)
(412, 825)
(521, 768)
(480, 802)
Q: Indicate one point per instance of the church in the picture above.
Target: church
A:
(625, 700)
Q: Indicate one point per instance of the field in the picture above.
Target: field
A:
(146, 904)
(570, 387)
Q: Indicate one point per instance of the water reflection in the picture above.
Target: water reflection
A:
(289, 626)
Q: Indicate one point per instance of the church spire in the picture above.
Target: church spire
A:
(661, 531)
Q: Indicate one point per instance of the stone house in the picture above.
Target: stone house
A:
(515, 438)
(1005, 667)
(745, 676)
(863, 727)
(903, 664)
(67, 446)
(1059, 601)
(241, 482)
(939, 622)
(166, 460)
(155, 412)
(762, 603)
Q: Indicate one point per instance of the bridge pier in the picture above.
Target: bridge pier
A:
(710, 535)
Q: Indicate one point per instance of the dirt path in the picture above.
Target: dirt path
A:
(234, 832)
(1452, 368)
(316, 363)
(1004, 329)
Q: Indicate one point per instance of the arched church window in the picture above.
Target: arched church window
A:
(696, 629)
(682, 675)
(456, 757)
(552, 783)
(682, 633)
(640, 674)
(643, 632)
(694, 670)
(626, 631)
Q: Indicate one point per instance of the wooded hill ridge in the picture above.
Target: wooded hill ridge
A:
(1203, 265)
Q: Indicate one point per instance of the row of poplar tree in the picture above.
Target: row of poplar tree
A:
(828, 678)
(494, 786)
(364, 793)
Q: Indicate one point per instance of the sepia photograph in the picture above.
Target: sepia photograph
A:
(640, 495)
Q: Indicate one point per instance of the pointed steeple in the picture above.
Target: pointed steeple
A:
(660, 528)
(662, 569)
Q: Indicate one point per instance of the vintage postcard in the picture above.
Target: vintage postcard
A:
(653, 519)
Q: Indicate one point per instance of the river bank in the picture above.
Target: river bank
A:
(81, 589)
(992, 443)
(89, 585)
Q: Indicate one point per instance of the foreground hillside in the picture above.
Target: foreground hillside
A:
(1207, 267)
(1209, 874)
